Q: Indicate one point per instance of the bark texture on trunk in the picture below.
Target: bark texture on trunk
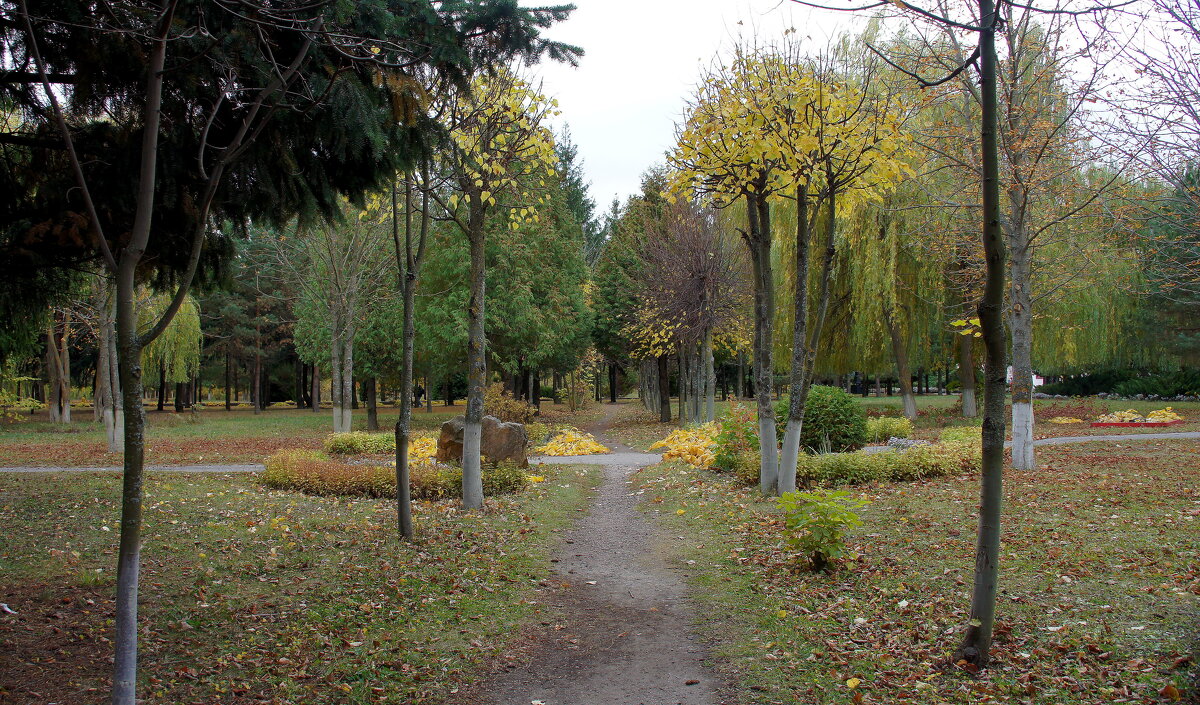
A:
(903, 373)
(966, 375)
(1021, 330)
(759, 240)
(710, 379)
(664, 389)
(977, 639)
(370, 391)
(476, 368)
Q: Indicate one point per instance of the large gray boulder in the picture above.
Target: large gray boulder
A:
(501, 441)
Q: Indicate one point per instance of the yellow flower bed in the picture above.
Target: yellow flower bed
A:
(694, 446)
(1065, 419)
(571, 442)
(1163, 415)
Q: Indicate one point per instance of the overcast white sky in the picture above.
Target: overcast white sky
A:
(642, 60)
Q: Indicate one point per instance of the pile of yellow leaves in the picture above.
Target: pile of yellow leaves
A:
(694, 446)
(1065, 419)
(422, 449)
(1127, 416)
(1163, 415)
(571, 442)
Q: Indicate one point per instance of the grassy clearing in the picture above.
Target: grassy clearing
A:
(208, 436)
(1099, 585)
(253, 596)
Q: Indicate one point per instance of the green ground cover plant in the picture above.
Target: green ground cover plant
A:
(1099, 581)
(881, 428)
(254, 595)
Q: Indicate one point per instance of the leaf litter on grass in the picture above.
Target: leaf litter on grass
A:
(251, 595)
(1100, 572)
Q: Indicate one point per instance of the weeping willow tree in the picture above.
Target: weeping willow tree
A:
(174, 356)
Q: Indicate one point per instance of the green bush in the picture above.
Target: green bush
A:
(880, 429)
(737, 435)
(360, 443)
(745, 467)
(816, 523)
(961, 434)
(834, 421)
(314, 473)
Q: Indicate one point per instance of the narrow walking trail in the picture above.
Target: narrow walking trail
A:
(620, 628)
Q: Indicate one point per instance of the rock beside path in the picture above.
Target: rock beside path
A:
(501, 441)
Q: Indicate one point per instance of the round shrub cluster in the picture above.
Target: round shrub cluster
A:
(881, 428)
(834, 421)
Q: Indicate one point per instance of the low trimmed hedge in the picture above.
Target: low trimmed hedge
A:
(837, 469)
(360, 443)
(880, 429)
(961, 434)
(313, 472)
(918, 463)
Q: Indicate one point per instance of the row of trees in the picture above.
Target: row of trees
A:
(246, 113)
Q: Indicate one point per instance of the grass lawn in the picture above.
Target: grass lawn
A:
(208, 436)
(1099, 601)
(256, 596)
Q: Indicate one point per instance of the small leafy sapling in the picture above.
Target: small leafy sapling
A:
(817, 522)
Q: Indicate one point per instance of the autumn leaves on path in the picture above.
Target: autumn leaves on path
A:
(617, 624)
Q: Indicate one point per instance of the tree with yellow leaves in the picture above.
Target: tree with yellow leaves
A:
(499, 146)
(820, 130)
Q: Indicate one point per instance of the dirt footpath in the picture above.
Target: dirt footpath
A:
(619, 631)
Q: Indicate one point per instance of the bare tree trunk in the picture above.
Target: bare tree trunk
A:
(162, 388)
(710, 379)
(790, 456)
(966, 375)
(476, 366)
(347, 379)
(759, 240)
(977, 639)
(255, 385)
(683, 388)
(369, 391)
(664, 389)
(612, 383)
(228, 380)
(900, 353)
(1021, 330)
(315, 395)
